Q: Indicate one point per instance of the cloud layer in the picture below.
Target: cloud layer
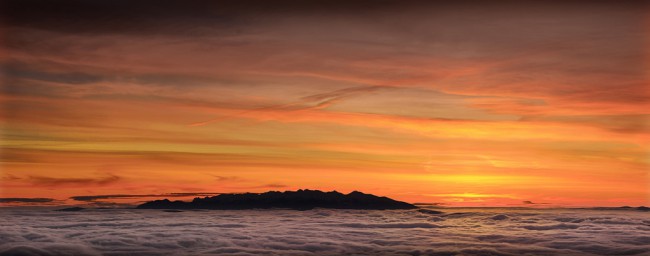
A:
(325, 232)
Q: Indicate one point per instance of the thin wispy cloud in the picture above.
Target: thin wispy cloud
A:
(91, 198)
(50, 181)
(26, 200)
(312, 102)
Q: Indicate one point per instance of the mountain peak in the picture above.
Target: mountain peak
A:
(302, 199)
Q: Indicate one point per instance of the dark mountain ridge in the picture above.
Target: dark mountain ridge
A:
(296, 200)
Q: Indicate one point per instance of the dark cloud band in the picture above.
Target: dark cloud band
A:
(25, 200)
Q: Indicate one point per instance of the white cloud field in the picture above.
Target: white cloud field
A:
(459, 231)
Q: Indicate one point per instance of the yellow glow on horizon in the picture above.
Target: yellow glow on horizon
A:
(480, 179)
(475, 195)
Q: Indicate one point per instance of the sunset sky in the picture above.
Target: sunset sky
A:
(464, 104)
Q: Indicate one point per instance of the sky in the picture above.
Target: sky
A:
(507, 103)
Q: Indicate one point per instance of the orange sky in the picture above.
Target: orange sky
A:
(467, 104)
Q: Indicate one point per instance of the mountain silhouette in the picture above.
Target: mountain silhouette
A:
(296, 200)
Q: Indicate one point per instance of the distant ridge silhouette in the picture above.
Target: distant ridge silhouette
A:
(296, 200)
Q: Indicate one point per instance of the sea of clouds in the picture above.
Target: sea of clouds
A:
(457, 231)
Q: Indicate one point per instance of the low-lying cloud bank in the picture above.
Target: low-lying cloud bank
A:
(25, 200)
(92, 198)
(325, 232)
